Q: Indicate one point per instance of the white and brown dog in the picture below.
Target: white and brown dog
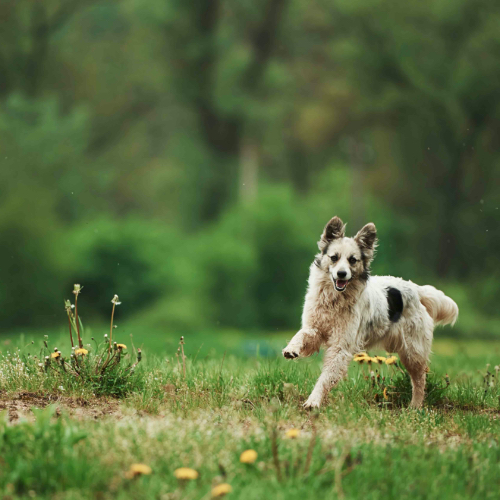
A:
(348, 311)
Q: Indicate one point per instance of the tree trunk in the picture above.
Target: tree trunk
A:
(249, 171)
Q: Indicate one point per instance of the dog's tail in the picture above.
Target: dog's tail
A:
(441, 308)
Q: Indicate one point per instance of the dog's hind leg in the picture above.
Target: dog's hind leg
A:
(415, 357)
(417, 368)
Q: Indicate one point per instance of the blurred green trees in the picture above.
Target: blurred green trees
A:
(186, 155)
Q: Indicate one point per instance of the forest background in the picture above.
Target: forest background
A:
(186, 155)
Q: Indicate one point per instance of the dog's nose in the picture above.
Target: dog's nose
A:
(341, 274)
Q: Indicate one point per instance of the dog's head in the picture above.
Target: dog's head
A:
(346, 259)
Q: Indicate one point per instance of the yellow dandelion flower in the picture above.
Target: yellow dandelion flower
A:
(386, 397)
(185, 473)
(55, 355)
(121, 346)
(292, 433)
(361, 357)
(221, 490)
(391, 360)
(380, 359)
(81, 352)
(248, 457)
(138, 470)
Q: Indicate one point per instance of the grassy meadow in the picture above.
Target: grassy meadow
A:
(187, 155)
(69, 437)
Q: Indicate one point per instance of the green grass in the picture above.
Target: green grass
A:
(239, 394)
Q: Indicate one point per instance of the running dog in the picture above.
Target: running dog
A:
(349, 311)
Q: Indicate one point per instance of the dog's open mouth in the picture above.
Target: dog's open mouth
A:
(340, 285)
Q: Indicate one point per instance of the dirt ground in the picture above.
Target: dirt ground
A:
(19, 405)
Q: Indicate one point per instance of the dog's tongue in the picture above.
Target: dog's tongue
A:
(341, 284)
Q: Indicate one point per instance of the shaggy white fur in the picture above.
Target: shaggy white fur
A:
(347, 311)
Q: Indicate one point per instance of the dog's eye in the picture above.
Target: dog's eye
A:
(334, 258)
(352, 260)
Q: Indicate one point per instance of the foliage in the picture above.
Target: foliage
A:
(156, 137)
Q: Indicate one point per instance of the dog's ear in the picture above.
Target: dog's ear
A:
(333, 230)
(367, 240)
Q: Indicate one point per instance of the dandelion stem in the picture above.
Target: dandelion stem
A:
(110, 337)
(276, 458)
(70, 332)
(310, 449)
(177, 356)
(338, 473)
(183, 359)
(80, 342)
(111, 328)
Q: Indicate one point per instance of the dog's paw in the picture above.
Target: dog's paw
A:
(290, 352)
(312, 403)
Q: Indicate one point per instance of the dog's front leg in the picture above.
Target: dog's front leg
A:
(335, 364)
(304, 343)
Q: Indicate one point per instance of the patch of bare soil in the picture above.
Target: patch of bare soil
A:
(20, 405)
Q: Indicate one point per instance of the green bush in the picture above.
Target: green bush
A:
(248, 270)
(256, 262)
(141, 258)
(32, 271)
